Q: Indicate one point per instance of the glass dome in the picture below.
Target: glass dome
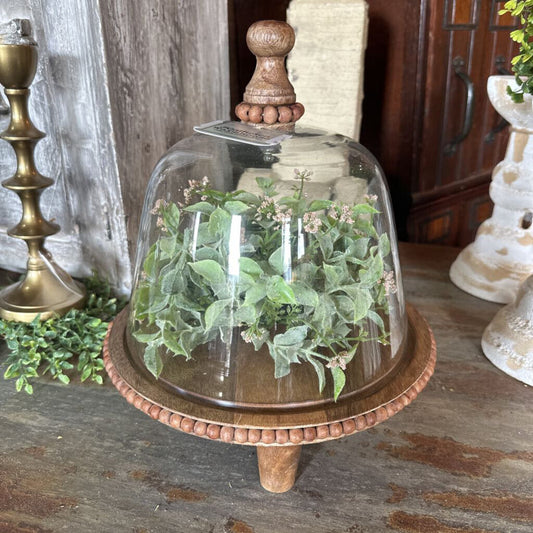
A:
(267, 277)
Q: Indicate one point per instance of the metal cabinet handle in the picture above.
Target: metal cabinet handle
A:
(458, 66)
(500, 69)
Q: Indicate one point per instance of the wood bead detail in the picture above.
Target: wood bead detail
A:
(281, 437)
(269, 114)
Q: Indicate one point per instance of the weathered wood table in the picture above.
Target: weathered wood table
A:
(459, 459)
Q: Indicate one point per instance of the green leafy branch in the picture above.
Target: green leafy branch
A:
(63, 345)
(318, 312)
(522, 63)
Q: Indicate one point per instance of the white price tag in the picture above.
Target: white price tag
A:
(240, 132)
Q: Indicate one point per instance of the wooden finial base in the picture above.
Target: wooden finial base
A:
(269, 98)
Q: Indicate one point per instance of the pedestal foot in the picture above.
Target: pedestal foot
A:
(277, 466)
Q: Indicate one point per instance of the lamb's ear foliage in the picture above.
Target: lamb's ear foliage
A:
(186, 296)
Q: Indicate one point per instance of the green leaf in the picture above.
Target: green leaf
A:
(247, 314)
(363, 209)
(170, 340)
(86, 373)
(276, 261)
(357, 249)
(152, 360)
(158, 302)
(249, 266)
(279, 291)
(293, 336)
(319, 369)
(372, 315)
(384, 245)
(325, 242)
(149, 265)
(171, 217)
(282, 367)
(172, 281)
(344, 307)
(219, 222)
(339, 380)
(333, 277)
(304, 295)
(319, 205)
(63, 378)
(210, 270)
(361, 301)
(236, 207)
(266, 185)
(214, 311)
(169, 246)
(245, 282)
(145, 337)
(256, 293)
(370, 275)
(200, 207)
(246, 197)
(207, 252)
(324, 314)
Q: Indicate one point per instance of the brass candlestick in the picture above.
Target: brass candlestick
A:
(46, 290)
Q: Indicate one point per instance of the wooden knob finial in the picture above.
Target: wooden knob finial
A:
(269, 98)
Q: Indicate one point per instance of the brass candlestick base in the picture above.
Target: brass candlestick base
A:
(46, 289)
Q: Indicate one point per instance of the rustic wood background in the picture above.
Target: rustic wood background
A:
(118, 83)
(168, 70)
(70, 102)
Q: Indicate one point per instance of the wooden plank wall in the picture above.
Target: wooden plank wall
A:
(168, 70)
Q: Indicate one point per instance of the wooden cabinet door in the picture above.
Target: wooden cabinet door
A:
(461, 137)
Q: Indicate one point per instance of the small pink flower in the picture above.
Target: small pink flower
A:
(346, 214)
(389, 282)
(311, 222)
(339, 360)
(196, 187)
(158, 206)
(280, 215)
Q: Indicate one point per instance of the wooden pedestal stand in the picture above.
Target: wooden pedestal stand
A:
(280, 432)
(279, 436)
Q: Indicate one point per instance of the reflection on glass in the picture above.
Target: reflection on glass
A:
(268, 281)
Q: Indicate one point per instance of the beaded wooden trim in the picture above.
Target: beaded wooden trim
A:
(269, 437)
(269, 114)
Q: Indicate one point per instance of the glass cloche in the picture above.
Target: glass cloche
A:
(267, 273)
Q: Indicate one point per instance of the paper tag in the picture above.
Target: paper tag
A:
(240, 132)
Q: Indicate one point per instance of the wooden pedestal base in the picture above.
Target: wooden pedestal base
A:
(278, 466)
(278, 435)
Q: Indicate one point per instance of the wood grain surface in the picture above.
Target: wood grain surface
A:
(168, 71)
(458, 459)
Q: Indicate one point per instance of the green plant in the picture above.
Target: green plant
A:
(52, 346)
(522, 63)
(191, 290)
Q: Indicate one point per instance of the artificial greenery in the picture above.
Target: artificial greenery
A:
(522, 63)
(316, 310)
(62, 345)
